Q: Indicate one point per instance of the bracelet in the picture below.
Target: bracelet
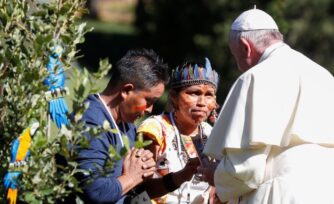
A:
(169, 183)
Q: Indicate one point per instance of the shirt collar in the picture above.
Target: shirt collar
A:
(270, 50)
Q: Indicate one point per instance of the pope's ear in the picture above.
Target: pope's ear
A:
(245, 47)
(127, 89)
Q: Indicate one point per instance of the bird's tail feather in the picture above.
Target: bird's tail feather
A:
(12, 195)
(58, 111)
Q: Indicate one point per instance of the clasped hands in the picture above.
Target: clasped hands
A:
(139, 165)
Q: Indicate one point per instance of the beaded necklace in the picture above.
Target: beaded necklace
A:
(181, 145)
(180, 141)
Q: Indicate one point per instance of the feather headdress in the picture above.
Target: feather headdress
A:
(189, 75)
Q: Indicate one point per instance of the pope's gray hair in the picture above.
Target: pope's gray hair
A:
(260, 38)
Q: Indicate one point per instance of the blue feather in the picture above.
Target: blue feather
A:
(15, 147)
(185, 73)
(196, 74)
(10, 179)
(58, 111)
(208, 67)
(178, 75)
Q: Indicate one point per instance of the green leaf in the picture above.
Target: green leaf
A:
(140, 143)
(113, 154)
(39, 141)
(30, 197)
(64, 147)
(126, 143)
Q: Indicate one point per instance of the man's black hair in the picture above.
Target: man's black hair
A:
(143, 68)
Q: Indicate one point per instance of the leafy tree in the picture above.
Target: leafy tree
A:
(311, 29)
(28, 31)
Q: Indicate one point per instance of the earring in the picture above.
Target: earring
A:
(175, 117)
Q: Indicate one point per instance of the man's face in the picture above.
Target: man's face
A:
(237, 56)
(239, 52)
(138, 102)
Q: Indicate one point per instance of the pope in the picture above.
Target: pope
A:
(274, 136)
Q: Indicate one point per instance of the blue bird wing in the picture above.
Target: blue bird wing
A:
(11, 179)
(15, 148)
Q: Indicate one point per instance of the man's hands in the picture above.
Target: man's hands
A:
(138, 165)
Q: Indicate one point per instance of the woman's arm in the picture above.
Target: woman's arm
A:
(158, 187)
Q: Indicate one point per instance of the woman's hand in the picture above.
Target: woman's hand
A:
(208, 172)
(187, 172)
(191, 168)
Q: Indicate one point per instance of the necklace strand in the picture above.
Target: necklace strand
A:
(113, 121)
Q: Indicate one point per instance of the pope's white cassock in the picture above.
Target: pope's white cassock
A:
(274, 136)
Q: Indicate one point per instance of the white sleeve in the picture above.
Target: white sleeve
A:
(240, 171)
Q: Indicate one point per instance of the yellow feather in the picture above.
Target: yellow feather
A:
(12, 196)
(25, 141)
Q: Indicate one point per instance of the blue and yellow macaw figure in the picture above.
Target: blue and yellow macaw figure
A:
(56, 82)
(19, 155)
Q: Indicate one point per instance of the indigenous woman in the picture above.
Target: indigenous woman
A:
(181, 133)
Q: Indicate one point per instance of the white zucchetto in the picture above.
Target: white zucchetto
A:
(254, 19)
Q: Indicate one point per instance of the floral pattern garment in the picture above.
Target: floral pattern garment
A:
(160, 129)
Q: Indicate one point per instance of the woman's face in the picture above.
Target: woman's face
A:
(194, 103)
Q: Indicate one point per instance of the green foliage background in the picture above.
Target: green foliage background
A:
(192, 29)
(28, 31)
